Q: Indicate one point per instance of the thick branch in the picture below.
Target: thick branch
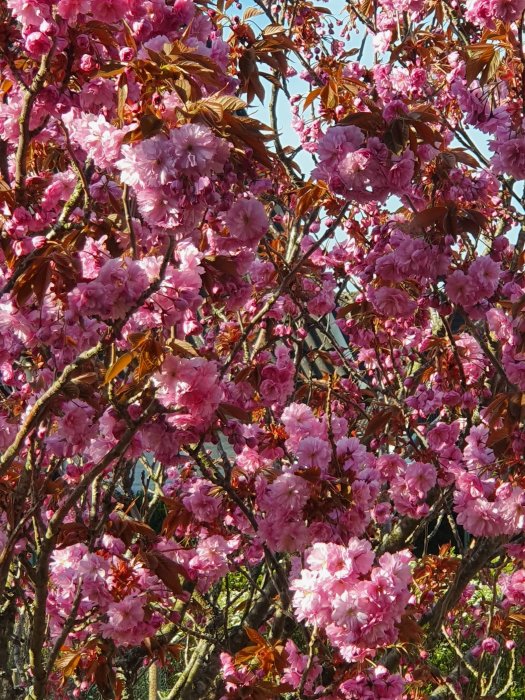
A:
(24, 138)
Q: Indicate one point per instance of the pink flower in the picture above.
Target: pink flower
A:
(401, 172)
(235, 676)
(288, 491)
(183, 11)
(192, 386)
(443, 435)
(351, 452)
(313, 452)
(485, 12)
(283, 533)
(70, 9)
(362, 171)
(37, 44)
(510, 158)
(421, 477)
(357, 606)
(486, 273)
(126, 619)
(108, 11)
(100, 139)
(462, 289)
(514, 588)
(499, 324)
(197, 150)
(300, 422)
(490, 645)
(472, 357)
(390, 301)
(87, 63)
(211, 557)
(391, 466)
(477, 514)
(514, 365)
(296, 666)
(361, 554)
(338, 141)
(373, 684)
(29, 12)
(198, 501)
(98, 94)
(353, 164)
(146, 163)
(247, 221)
(277, 384)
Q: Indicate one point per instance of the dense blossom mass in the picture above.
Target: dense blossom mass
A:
(262, 349)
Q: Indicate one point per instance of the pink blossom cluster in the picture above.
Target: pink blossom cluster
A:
(374, 684)
(510, 157)
(486, 505)
(297, 665)
(172, 176)
(514, 587)
(508, 332)
(117, 286)
(40, 23)
(388, 17)
(410, 258)
(115, 592)
(410, 487)
(478, 283)
(211, 559)
(100, 140)
(355, 603)
(178, 300)
(308, 439)
(283, 528)
(277, 378)
(246, 223)
(190, 388)
(236, 677)
(484, 13)
(239, 678)
(362, 170)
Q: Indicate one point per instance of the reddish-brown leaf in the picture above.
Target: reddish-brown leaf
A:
(428, 217)
(378, 421)
(167, 570)
(240, 414)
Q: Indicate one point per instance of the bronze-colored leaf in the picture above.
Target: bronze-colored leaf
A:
(67, 661)
(251, 12)
(328, 95)
(478, 58)
(182, 347)
(230, 102)
(309, 196)
(273, 29)
(118, 366)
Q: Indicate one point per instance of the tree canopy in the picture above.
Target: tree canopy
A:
(262, 349)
